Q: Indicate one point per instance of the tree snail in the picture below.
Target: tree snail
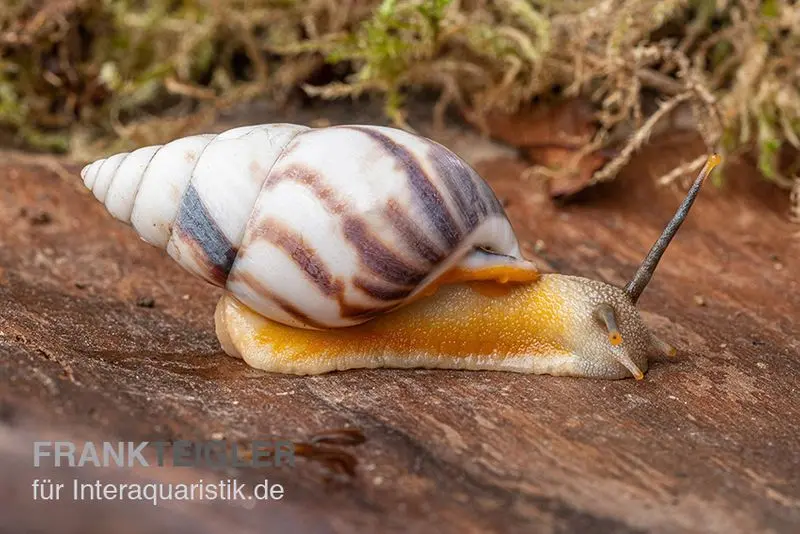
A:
(361, 247)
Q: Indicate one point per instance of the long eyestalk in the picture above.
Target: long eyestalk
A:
(606, 314)
(645, 272)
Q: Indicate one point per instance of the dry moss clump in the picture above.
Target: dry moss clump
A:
(96, 75)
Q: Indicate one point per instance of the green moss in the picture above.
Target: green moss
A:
(385, 48)
(101, 73)
(770, 9)
(769, 146)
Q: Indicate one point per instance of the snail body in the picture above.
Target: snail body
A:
(544, 327)
(365, 246)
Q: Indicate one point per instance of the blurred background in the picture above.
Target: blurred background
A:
(92, 77)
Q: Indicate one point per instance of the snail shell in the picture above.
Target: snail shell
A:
(312, 228)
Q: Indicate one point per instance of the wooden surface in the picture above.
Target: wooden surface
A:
(708, 442)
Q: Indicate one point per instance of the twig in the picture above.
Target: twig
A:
(662, 82)
(184, 89)
(639, 138)
(681, 170)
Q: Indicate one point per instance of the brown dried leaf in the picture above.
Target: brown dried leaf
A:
(569, 176)
(565, 123)
(552, 137)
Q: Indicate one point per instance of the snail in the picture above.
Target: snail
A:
(361, 247)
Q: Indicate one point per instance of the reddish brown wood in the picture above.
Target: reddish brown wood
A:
(708, 442)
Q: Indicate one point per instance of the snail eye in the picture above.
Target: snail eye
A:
(605, 313)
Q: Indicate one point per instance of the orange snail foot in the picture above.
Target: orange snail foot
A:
(401, 339)
(462, 327)
(543, 327)
(497, 280)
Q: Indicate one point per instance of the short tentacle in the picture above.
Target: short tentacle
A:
(662, 346)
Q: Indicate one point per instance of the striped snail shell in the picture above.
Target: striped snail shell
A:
(312, 228)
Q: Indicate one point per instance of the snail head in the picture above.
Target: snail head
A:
(609, 333)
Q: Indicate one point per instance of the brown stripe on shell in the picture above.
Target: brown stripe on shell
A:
(472, 197)
(346, 309)
(353, 311)
(377, 256)
(287, 307)
(423, 189)
(411, 233)
(212, 273)
(258, 287)
(197, 228)
(309, 178)
(381, 292)
(306, 258)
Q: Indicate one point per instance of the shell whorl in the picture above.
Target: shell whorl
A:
(315, 228)
(192, 196)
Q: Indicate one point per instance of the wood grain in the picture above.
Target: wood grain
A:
(708, 442)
